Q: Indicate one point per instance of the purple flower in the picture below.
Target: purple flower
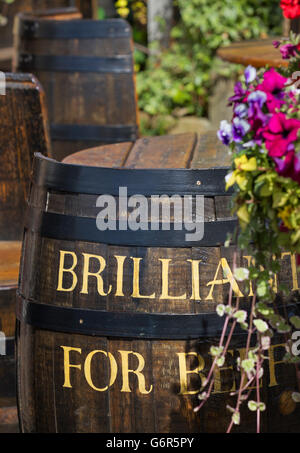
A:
(240, 128)
(288, 51)
(225, 133)
(250, 74)
(276, 44)
(239, 93)
(241, 110)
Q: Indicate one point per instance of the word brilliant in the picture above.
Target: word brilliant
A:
(75, 269)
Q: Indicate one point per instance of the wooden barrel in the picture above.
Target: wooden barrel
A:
(23, 131)
(6, 32)
(86, 69)
(9, 270)
(115, 327)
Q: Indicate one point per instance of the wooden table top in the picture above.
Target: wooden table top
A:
(170, 151)
(10, 253)
(256, 53)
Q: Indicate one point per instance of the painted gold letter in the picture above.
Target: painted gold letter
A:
(113, 370)
(137, 372)
(183, 372)
(87, 273)
(62, 270)
(67, 364)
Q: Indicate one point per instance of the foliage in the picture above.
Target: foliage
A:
(264, 140)
(3, 10)
(184, 75)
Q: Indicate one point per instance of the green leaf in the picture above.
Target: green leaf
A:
(236, 418)
(295, 320)
(241, 274)
(296, 397)
(261, 325)
(248, 365)
(240, 315)
(252, 405)
(220, 310)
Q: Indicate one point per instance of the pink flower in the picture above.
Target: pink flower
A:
(289, 166)
(273, 85)
(280, 134)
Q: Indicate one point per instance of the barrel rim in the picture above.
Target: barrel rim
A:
(83, 179)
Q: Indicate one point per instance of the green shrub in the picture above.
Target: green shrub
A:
(183, 75)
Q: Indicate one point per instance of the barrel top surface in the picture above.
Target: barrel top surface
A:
(189, 151)
(10, 253)
(256, 53)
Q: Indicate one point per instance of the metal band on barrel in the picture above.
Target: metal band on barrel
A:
(122, 64)
(96, 180)
(104, 134)
(72, 228)
(74, 29)
(118, 324)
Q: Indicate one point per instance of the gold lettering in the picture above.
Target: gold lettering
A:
(195, 279)
(63, 270)
(120, 272)
(137, 372)
(218, 380)
(250, 263)
(165, 282)
(294, 269)
(230, 279)
(272, 363)
(87, 274)
(113, 370)
(67, 364)
(136, 280)
(184, 372)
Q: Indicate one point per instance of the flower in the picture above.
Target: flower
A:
(239, 176)
(239, 94)
(288, 51)
(225, 132)
(280, 134)
(289, 166)
(273, 85)
(291, 8)
(250, 74)
(240, 128)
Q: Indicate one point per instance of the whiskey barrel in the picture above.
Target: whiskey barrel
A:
(86, 69)
(6, 31)
(9, 270)
(23, 131)
(114, 327)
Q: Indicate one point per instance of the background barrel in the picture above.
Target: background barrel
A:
(6, 32)
(86, 69)
(24, 131)
(115, 327)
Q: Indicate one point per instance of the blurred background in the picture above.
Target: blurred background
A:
(181, 84)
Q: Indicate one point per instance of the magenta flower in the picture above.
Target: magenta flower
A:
(280, 134)
(273, 85)
(288, 51)
(289, 166)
